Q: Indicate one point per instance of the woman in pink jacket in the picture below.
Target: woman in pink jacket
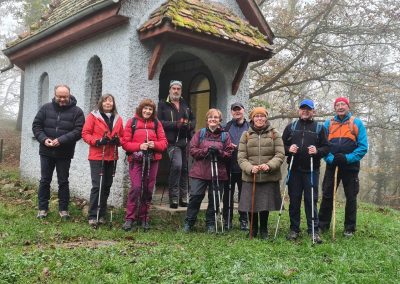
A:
(144, 138)
(102, 130)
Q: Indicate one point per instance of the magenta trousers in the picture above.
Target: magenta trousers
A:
(138, 203)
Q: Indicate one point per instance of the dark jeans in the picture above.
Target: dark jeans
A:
(178, 174)
(197, 192)
(235, 178)
(299, 183)
(95, 170)
(47, 165)
(351, 187)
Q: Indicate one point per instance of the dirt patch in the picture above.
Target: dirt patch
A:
(84, 244)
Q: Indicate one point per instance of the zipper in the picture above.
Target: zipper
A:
(58, 119)
(259, 154)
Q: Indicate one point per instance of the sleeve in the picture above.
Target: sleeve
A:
(37, 126)
(362, 143)
(167, 124)
(76, 133)
(88, 129)
(228, 148)
(243, 159)
(195, 149)
(277, 160)
(161, 144)
(323, 145)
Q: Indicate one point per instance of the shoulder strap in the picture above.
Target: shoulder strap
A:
(156, 126)
(351, 126)
(318, 128)
(133, 126)
(294, 124)
(202, 134)
(223, 137)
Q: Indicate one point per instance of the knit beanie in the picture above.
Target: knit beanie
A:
(258, 110)
(342, 99)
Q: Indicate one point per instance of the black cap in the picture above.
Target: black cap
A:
(237, 104)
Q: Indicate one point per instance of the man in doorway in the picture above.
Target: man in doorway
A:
(57, 126)
(348, 144)
(235, 128)
(178, 122)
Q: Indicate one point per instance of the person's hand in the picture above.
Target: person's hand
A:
(114, 140)
(56, 143)
(255, 169)
(264, 167)
(293, 149)
(48, 142)
(103, 141)
(213, 151)
(144, 146)
(340, 159)
(312, 150)
(151, 144)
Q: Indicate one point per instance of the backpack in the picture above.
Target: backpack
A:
(317, 129)
(203, 135)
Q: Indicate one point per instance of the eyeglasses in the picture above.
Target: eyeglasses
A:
(259, 116)
(213, 117)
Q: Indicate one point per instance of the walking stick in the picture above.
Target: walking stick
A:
(229, 200)
(284, 194)
(312, 200)
(214, 195)
(334, 204)
(219, 194)
(252, 206)
(147, 186)
(113, 175)
(101, 181)
(139, 199)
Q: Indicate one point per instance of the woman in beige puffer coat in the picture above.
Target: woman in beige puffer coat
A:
(261, 153)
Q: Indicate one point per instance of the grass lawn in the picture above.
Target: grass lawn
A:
(52, 251)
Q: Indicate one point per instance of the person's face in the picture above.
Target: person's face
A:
(260, 120)
(147, 111)
(237, 113)
(108, 104)
(175, 92)
(213, 120)
(306, 113)
(341, 109)
(62, 96)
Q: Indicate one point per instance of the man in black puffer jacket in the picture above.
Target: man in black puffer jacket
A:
(57, 126)
(303, 139)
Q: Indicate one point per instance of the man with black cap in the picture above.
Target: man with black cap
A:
(304, 139)
(178, 122)
(235, 128)
(348, 144)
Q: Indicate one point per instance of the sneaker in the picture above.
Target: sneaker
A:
(187, 228)
(183, 203)
(127, 226)
(244, 226)
(317, 238)
(348, 233)
(173, 205)
(145, 226)
(41, 214)
(93, 223)
(64, 215)
(292, 236)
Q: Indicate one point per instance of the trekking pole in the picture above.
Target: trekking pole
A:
(229, 200)
(312, 200)
(214, 195)
(284, 194)
(334, 204)
(101, 180)
(113, 175)
(219, 194)
(147, 186)
(252, 206)
(139, 199)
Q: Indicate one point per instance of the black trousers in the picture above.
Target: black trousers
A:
(95, 170)
(197, 193)
(47, 166)
(178, 175)
(351, 187)
(263, 222)
(299, 184)
(229, 191)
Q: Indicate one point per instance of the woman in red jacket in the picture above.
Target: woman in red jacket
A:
(144, 137)
(102, 130)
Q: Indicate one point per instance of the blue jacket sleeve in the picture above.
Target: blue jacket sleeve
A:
(362, 143)
(328, 158)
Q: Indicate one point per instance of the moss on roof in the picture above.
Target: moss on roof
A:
(209, 18)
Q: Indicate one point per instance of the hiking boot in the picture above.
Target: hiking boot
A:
(187, 228)
(64, 215)
(317, 238)
(292, 236)
(244, 225)
(145, 226)
(348, 233)
(102, 220)
(127, 226)
(173, 205)
(93, 223)
(183, 203)
(264, 235)
(41, 214)
(211, 229)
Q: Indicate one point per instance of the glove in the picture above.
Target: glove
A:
(114, 141)
(103, 141)
(212, 151)
(340, 159)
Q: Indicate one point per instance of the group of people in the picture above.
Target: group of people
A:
(242, 154)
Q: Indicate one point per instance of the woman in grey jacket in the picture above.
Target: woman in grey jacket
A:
(261, 154)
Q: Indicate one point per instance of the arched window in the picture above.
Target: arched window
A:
(199, 92)
(43, 94)
(94, 82)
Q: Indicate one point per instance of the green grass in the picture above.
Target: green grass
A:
(51, 251)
